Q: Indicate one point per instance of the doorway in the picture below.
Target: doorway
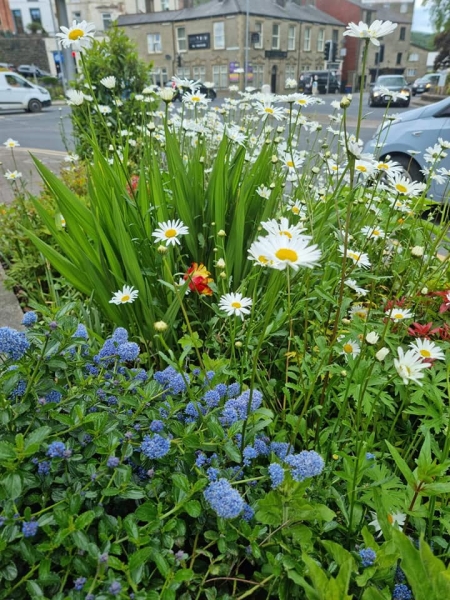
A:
(273, 80)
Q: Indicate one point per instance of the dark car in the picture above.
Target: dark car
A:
(202, 88)
(327, 82)
(31, 71)
(393, 83)
(425, 83)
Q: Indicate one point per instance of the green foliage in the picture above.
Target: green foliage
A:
(115, 55)
(423, 40)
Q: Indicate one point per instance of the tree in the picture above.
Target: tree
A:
(442, 44)
(440, 13)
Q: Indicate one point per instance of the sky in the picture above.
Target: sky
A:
(421, 19)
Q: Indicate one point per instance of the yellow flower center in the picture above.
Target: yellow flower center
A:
(361, 168)
(286, 254)
(295, 210)
(361, 313)
(125, 298)
(383, 166)
(376, 232)
(75, 34)
(390, 519)
(170, 233)
(262, 259)
(354, 255)
(290, 163)
(348, 348)
(425, 353)
(398, 316)
(302, 102)
(401, 188)
(195, 99)
(269, 110)
(236, 305)
(286, 233)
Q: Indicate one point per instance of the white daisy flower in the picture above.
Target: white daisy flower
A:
(124, 296)
(409, 365)
(71, 158)
(266, 108)
(282, 227)
(427, 349)
(389, 167)
(398, 314)
(77, 37)
(75, 97)
(297, 208)
(235, 304)
(104, 110)
(395, 519)
(290, 83)
(170, 231)
(12, 175)
(359, 258)
(372, 337)
(377, 29)
(358, 310)
(263, 191)
(402, 185)
(382, 353)
(351, 348)
(279, 252)
(190, 84)
(109, 82)
(354, 286)
(10, 143)
(373, 233)
(195, 98)
(365, 167)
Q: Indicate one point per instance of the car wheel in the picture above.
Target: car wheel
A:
(407, 103)
(413, 93)
(213, 95)
(34, 106)
(410, 167)
(370, 101)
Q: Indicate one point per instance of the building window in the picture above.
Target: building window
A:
(220, 76)
(335, 36)
(403, 8)
(411, 72)
(181, 39)
(35, 15)
(76, 16)
(159, 76)
(321, 40)
(107, 20)
(258, 76)
(399, 58)
(18, 23)
(219, 36)
(413, 57)
(154, 43)
(183, 72)
(307, 40)
(199, 73)
(291, 37)
(259, 29)
(290, 73)
(402, 37)
(275, 36)
(165, 5)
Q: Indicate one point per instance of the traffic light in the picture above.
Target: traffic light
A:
(326, 52)
(334, 51)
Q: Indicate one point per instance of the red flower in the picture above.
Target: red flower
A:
(390, 304)
(134, 182)
(423, 331)
(445, 306)
(198, 278)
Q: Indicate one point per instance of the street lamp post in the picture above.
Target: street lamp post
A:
(68, 66)
(246, 44)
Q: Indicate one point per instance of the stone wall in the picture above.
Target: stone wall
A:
(24, 50)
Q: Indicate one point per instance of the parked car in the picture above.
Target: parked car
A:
(7, 67)
(17, 93)
(425, 83)
(327, 82)
(393, 83)
(406, 139)
(31, 71)
(202, 88)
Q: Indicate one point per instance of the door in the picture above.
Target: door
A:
(273, 80)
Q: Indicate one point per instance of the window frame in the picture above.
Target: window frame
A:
(219, 45)
(321, 40)
(292, 39)
(277, 36)
(154, 44)
(307, 40)
(260, 24)
(402, 34)
(180, 50)
(18, 20)
(37, 11)
(106, 27)
(292, 73)
(398, 59)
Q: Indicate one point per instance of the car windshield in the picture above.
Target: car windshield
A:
(388, 81)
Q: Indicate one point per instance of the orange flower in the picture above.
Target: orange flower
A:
(199, 278)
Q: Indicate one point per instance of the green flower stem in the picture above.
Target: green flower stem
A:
(361, 87)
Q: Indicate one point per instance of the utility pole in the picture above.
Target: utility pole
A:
(246, 44)
(68, 66)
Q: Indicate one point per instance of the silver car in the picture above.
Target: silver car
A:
(407, 138)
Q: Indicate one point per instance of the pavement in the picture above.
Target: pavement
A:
(20, 160)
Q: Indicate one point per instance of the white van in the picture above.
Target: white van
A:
(18, 93)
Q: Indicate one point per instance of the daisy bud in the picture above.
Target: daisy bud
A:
(417, 251)
(238, 344)
(345, 102)
(372, 337)
(201, 159)
(335, 457)
(344, 373)
(160, 326)
(280, 129)
(274, 159)
(315, 170)
(220, 264)
(424, 291)
(223, 275)
(151, 126)
(272, 186)
(346, 321)
(221, 233)
(162, 249)
(381, 354)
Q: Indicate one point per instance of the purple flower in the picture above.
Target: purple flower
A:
(276, 473)
(155, 446)
(156, 426)
(223, 499)
(128, 351)
(367, 556)
(305, 464)
(401, 592)
(79, 583)
(29, 528)
(13, 343)
(113, 462)
(56, 450)
(115, 588)
(81, 332)
(44, 468)
(29, 319)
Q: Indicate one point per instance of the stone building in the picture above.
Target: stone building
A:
(392, 54)
(6, 20)
(208, 42)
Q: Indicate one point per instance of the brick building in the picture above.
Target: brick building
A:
(6, 20)
(208, 42)
(392, 55)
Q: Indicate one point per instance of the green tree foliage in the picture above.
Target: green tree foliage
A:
(115, 55)
(440, 13)
(442, 44)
